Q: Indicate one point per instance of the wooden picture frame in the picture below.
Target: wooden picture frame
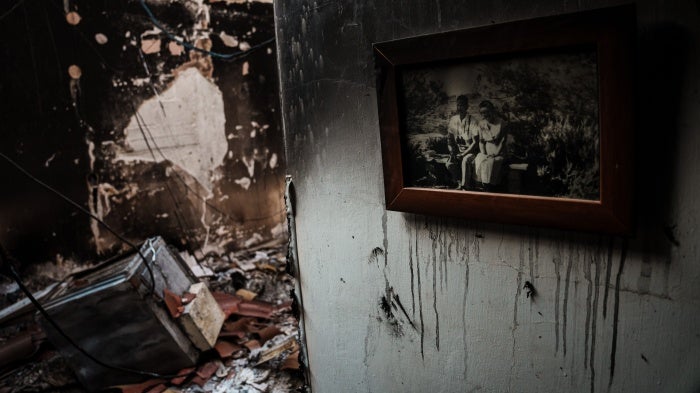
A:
(488, 56)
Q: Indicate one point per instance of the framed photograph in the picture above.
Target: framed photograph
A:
(526, 122)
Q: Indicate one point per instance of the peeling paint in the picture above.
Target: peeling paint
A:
(188, 129)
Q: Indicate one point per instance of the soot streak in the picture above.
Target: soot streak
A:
(557, 262)
(434, 238)
(595, 314)
(437, 317)
(410, 266)
(531, 257)
(566, 293)
(420, 296)
(521, 264)
(464, 314)
(397, 301)
(611, 248)
(616, 311)
(589, 295)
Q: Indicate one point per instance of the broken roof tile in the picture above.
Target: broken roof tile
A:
(182, 375)
(268, 332)
(173, 302)
(208, 369)
(205, 372)
(291, 362)
(255, 308)
(226, 349)
(241, 325)
(232, 304)
(252, 344)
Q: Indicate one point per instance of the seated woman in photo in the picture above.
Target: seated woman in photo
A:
(490, 162)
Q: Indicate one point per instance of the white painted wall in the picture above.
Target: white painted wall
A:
(599, 301)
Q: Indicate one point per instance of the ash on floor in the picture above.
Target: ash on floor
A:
(257, 350)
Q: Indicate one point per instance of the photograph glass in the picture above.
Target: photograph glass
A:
(523, 124)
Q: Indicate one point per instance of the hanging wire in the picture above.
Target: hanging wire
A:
(11, 10)
(86, 212)
(178, 215)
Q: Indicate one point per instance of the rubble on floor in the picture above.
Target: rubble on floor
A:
(257, 348)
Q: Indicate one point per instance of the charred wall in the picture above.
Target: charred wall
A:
(401, 302)
(102, 103)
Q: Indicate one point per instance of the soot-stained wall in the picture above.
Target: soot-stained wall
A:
(100, 101)
(397, 302)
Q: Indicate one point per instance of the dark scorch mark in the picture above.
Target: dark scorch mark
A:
(530, 291)
(375, 255)
(394, 326)
(390, 304)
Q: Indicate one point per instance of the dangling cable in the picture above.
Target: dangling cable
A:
(86, 212)
(4, 261)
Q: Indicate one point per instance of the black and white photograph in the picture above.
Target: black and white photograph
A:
(523, 124)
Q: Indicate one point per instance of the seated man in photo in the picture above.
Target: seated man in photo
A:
(462, 143)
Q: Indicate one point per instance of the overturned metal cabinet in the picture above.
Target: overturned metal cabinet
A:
(111, 313)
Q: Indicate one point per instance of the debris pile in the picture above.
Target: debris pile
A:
(255, 349)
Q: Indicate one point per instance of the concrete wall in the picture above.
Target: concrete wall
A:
(398, 302)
